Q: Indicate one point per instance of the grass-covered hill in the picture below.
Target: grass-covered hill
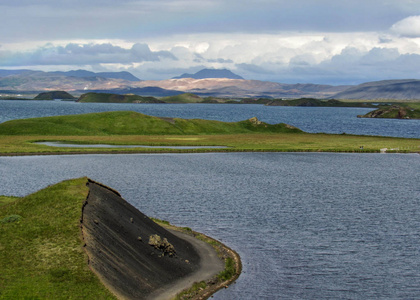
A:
(41, 252)
(133, 123)
(396, 111)
(317, 102)
(115, 98)
(130, 98)
(183, 98)
(54, 95)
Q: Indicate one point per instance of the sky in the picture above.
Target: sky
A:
(300, 41)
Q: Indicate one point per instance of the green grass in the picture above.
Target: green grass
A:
(183, 98)
(41, 251)
(130, 123)
(317, 102)
(115, 98)
(7, 199)
(130, 128)
(229, 271)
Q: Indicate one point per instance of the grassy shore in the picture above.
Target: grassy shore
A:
(130, 128)
(41, 253)
(21, 145)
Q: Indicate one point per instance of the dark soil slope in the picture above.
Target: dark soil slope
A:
(117, 242)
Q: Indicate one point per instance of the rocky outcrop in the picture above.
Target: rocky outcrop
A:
(255, 121)
(162, 244)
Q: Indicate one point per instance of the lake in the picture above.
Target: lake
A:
(309, 119)
(307, 225)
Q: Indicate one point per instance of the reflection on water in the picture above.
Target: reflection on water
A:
(307, 225)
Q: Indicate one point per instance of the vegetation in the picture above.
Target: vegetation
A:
(54, 95)
(130, 128)
(395, 111)
(183, 98)
(6, 199)
(229, 271)
(115, 98)
(42, 254)
(317, 102)
(132, 123)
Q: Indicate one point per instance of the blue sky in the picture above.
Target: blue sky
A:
(300, 41)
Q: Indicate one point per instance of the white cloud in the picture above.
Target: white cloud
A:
(409, 27)
(283, 56)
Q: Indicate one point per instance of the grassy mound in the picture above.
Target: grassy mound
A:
(54, 95)
(41, 252)
(317, 103)
(115, 98)
(133, 123)
(183, 98)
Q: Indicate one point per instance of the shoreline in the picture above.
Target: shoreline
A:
(212, 286)
(198, 151)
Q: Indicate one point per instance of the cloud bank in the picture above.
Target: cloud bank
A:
(336, 42)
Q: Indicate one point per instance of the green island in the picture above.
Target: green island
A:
(54, 95)
(311, 102)
(19, 137)
(192, 98)
(407, 110)
(115, 98)
(52, 244)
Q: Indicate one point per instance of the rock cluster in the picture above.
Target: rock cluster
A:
(162, 245)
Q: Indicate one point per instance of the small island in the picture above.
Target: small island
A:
(54, 95)
(116, 98)
(311, 102)
(79, 238)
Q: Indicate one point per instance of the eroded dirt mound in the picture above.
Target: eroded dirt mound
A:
(117, 236)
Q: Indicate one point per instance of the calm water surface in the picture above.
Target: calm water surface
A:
(309, 119)
(307, 226)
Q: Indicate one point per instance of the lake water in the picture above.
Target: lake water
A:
(309, 119)
(307, 225)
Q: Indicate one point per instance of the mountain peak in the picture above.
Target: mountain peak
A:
(211, 73)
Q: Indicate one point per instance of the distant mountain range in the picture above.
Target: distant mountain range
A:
(386, 89)
(207, 82)
(210, 73)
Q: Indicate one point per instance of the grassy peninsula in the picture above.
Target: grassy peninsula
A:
(17, 137)
(61, 243)
(395, 111)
